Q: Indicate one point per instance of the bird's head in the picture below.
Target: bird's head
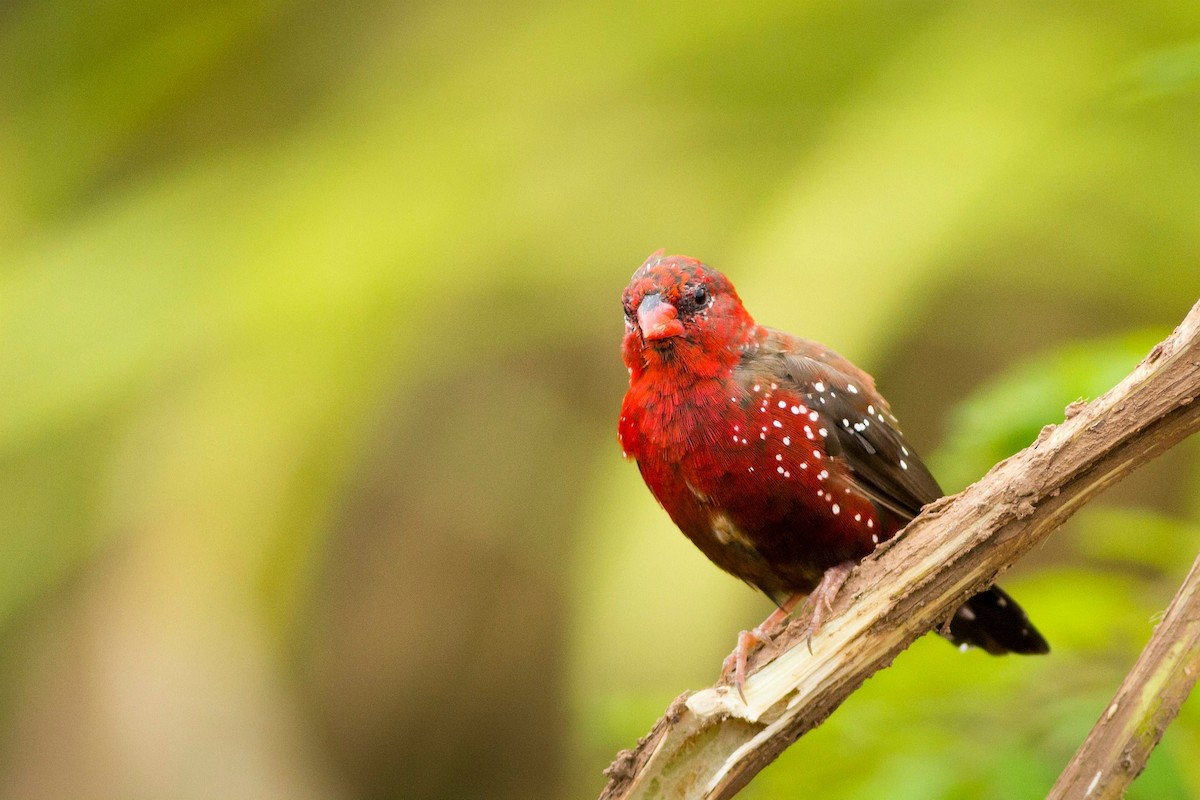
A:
(685, 314)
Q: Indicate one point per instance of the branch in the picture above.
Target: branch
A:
(1116, 750)
(710, 744)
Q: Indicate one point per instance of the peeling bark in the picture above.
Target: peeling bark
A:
(710, 744)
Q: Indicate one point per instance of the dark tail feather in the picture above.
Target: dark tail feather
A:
(993, 620)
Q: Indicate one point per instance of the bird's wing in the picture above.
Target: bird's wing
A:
(862, 430)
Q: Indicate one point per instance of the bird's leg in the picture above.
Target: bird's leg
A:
(735, 662)
(821, 599)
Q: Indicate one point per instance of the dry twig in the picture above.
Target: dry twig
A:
(710, 744)
(1116, 750)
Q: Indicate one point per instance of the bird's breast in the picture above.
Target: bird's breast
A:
(745, 472)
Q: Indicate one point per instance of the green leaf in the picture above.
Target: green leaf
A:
(1006, 414)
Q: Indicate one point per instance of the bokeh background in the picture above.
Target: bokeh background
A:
(309, 372)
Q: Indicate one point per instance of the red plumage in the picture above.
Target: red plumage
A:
(773, 454)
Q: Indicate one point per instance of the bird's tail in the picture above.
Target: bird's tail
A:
(993, 620)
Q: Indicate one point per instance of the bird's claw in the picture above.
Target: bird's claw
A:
(816, 605)
(735, 662)
(821, 600)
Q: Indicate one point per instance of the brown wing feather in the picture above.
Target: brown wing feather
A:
(865, 433)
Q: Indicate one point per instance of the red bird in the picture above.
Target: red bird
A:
(773, 454)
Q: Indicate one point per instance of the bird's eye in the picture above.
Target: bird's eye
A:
(693, 299)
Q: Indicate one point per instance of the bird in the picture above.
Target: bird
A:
(777, 457)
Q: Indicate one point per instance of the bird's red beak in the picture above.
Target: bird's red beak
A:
(657, 318)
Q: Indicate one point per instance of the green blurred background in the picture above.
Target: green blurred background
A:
(309, 372)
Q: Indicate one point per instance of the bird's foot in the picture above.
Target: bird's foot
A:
(820, 601)
(817, 604)
(735, 662)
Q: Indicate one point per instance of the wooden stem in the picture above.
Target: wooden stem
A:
(710, 744)
(1116, 750)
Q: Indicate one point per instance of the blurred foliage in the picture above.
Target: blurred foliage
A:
(309, 323)
(1008, 413)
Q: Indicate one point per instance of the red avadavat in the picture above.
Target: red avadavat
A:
(773, 454)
